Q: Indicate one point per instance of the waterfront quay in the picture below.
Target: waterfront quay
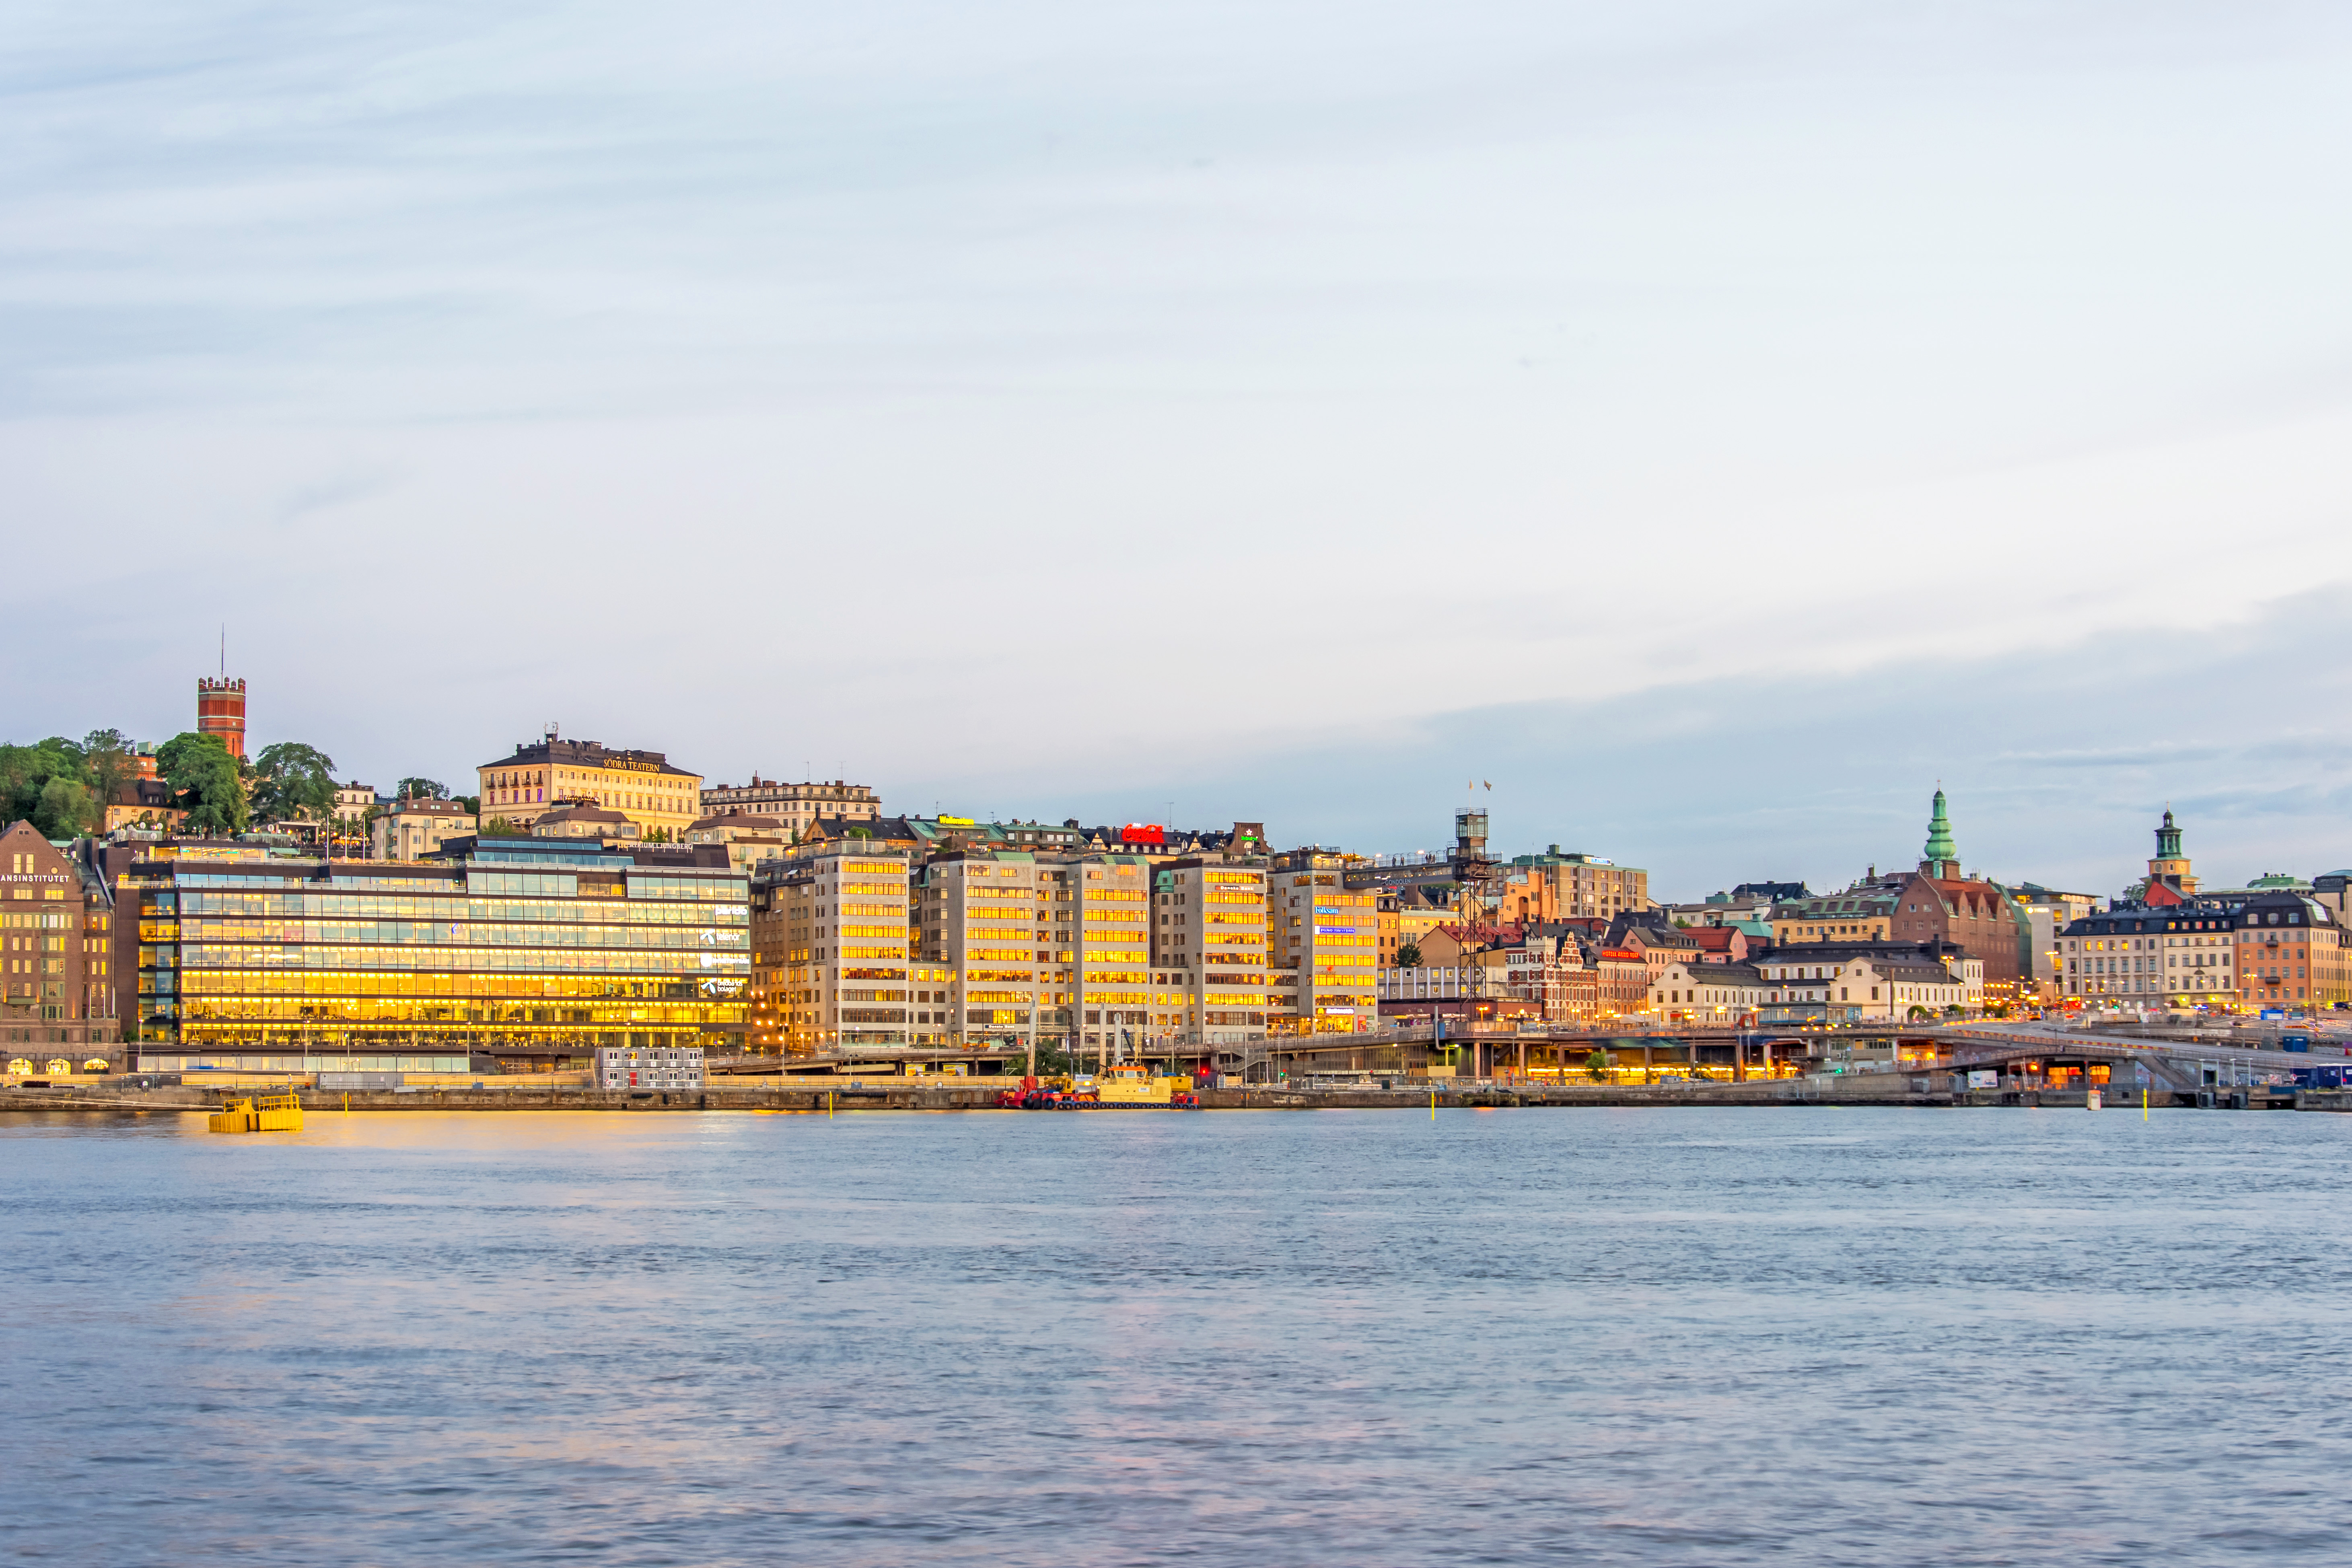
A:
(1972, 1066)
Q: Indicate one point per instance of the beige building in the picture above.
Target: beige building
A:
(1209, 934)
(1857, 987)
(411, 828)
(749, 837)
(1863, 912)
(832, 966)
(661, 799)
(353, 803)
(1581, 885)
(609, 828)
(794, 805)
(1323, 947)
(1000, 925)
(1124, 1007)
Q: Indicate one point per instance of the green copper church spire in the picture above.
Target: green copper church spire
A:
(1940, 847)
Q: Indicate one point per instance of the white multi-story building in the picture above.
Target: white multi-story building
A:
(1124, 1007)
(794, 805)
(1209, 935)
(832, 954)
(1896, 983)
(998, 924)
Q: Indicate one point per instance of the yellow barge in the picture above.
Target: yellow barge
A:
(263, 1113)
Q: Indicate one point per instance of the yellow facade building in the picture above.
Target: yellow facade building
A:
(662, 799)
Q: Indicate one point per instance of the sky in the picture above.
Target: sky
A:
(1713, 424)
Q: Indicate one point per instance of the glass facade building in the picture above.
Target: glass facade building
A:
(522, 953)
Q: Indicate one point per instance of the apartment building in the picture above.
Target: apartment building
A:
(1209, 934)
(1323, 948)
(749, 836)
(1123, 1004)
(2269, 950)
(832, 959)
(1863, 912)
(410, 829)
(1581, 885)
(794, 805)
(538, 777)
(1000, 925)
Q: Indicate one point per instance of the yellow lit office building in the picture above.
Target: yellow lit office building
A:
(1000, 923)
(1324, 947)
(1209, 930)
(516, 953)
(833, 956)
(1125, 1008)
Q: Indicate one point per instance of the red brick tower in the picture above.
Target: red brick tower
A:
(220, 710)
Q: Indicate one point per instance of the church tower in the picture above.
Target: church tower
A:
(1941, 857)
(2170, 867)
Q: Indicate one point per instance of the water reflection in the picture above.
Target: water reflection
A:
(1699, 1336)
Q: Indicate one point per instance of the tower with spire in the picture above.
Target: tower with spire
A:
(2168, 873)
(1941, 857)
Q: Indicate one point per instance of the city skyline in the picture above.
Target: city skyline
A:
(1883, 808)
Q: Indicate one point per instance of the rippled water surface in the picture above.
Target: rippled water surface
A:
(1702, 1336)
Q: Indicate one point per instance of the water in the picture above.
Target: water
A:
(1701, 1336)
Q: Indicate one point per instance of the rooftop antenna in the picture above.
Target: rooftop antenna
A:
(223, 650)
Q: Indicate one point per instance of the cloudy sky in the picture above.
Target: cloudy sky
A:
(1714, 423)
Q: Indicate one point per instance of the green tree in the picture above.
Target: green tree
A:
(472, 803)
(67, 810)
(1596, 1066)
(1053, 1059)
(46, 785)
(421, 789)
(205, 782)
(110, 763)
(499, 827)
(293, 780)
(1409, 955)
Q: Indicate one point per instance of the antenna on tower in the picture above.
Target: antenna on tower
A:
(223, 650)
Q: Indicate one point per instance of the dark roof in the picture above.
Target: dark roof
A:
(1734, 974)
(1838, 952)
(579, 814)
(2232, 909)
(585, 754)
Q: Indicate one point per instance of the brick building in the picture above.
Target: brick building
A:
(56, 938)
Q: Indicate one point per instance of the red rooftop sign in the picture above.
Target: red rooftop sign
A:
(1142, 833)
